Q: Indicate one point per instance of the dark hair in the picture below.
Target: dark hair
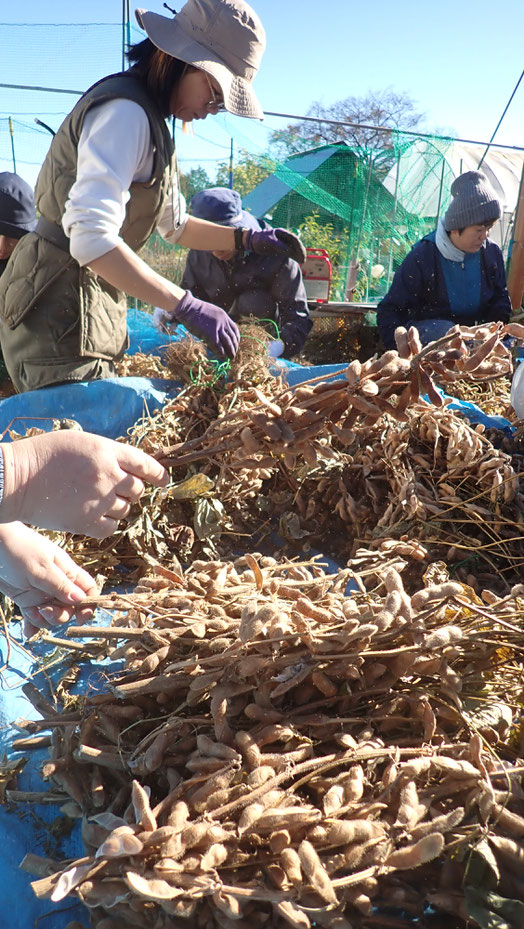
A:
(160, 71)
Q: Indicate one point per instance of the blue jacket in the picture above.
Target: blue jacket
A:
(264, 286)
(418, 291)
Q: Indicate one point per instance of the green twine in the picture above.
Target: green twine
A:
(273, 323)
(222, 366)
(464, 561)
(264, 320)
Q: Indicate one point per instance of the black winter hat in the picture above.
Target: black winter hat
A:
(474, 202)
(17, 206)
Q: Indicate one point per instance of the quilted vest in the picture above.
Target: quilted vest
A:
(43, 280)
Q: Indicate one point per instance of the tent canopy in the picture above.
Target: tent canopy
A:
(425, 169)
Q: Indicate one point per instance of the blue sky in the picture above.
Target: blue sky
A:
(458, 62)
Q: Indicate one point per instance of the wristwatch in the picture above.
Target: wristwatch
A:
(239, 235)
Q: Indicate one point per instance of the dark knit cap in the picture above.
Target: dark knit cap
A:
(224, 206)
(474, 202)
(17, 206)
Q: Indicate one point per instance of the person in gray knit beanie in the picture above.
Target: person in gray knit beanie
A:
(455, 275)
(474, 202)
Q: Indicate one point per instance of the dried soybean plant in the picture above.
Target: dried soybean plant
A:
(141, 365)
(286, 427)
(195, 512)
(333, 462)
(280, 752)
(434, 478)
(493, 397)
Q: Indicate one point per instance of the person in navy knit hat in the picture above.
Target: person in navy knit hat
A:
(267, 287)
(453, 276)
(17, 213)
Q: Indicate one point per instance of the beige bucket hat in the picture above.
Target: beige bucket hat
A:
(224, 38)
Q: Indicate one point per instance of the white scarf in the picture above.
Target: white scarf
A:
(445, 245)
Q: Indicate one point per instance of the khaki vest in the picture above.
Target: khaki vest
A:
(54, 314)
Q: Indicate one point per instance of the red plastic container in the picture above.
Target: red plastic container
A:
(316, 272)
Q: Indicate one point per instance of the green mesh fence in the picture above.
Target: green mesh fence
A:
(344, 206)
(62, 55)
(66, 57)
(366, 206)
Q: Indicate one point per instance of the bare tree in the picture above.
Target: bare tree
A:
(380, 110)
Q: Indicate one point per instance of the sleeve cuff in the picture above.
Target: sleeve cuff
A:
(1, 474)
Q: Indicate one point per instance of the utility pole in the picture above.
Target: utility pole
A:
(516, 262)
(231, 165)
(126, 31)
(11, 133)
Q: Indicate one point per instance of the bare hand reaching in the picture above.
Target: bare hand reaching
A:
(41, 578)
(74, 481)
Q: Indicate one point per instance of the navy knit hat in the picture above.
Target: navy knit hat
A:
(224, 206)
(474, 202)
(17, 206)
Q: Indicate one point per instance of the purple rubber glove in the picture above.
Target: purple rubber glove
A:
(209, 323)
(275, 242)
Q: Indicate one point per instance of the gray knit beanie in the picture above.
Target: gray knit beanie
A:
(474, 202)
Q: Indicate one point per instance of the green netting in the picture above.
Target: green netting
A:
(366, 205)
(425, 173)
(316, 195)
(63, 55)
(367, 228)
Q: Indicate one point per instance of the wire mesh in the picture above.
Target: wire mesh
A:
(366, 206)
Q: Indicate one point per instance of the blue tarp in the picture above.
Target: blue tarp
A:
(110, 408)
(32, 827)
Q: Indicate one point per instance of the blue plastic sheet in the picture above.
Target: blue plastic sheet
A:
(110, 408)
(32, 827)
(143, 337)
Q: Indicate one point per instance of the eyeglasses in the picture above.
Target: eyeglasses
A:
(217, 101)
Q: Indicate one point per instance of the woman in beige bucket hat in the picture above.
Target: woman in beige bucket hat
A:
(109, 180)
(224, 41)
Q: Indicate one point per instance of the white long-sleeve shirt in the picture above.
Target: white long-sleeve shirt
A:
(115, 149)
